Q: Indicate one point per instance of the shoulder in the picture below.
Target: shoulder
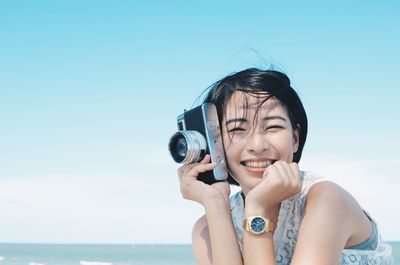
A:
(330, 193)
(309, 179)
(331, 199)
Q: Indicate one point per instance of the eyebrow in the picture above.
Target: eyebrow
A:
(237, 120)
(274, 118)
(244, 120)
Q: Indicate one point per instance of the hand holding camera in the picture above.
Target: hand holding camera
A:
(192, 189)
(199, 134)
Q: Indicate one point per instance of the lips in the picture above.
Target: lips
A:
(257, 163)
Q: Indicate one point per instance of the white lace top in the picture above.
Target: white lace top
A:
(290, 216)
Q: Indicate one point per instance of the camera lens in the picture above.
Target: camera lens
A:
(181, 147)
(187, 147)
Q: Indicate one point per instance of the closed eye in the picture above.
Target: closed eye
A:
(274, 127)
(237, 129)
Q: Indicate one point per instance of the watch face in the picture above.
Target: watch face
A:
(257, 224)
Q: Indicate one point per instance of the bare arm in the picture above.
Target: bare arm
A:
(215, 248)
(214, 238)
(332, 221)
(281, 181)
(201, 242)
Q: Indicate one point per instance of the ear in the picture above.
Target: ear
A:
(296, 137)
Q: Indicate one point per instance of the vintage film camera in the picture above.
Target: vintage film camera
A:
(199, 134)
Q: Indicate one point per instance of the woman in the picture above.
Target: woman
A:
(282, 215)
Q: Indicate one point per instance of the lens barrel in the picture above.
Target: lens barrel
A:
(187, 147)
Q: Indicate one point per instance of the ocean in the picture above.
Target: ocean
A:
(75, 254)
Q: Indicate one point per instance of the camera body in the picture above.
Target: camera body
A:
(199, 134)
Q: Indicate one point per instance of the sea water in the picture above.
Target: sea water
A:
(74, 254)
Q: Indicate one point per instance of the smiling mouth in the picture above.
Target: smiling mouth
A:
(257, 164)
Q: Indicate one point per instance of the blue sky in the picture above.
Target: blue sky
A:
(90, 91)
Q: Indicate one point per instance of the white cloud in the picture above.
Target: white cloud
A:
(145, 206)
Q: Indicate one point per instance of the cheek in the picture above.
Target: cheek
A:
(232, 153)
(226, 143)
(284, 143)
(229, 152)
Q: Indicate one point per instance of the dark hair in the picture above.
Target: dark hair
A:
(269, 83)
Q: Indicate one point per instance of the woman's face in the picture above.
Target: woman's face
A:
(255, 137)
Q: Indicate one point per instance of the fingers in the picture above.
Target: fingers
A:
(289, 173)
(284, 171)
(295, 168)
(296, 173)
(194, 169)
(197, 169)
(206, 159)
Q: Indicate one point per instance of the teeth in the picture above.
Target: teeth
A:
(258, 164)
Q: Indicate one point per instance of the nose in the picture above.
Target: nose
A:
(258, 143)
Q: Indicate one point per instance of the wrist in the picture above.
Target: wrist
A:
(271, 213)
(215, 203)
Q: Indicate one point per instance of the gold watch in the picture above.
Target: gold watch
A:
(258, 225)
